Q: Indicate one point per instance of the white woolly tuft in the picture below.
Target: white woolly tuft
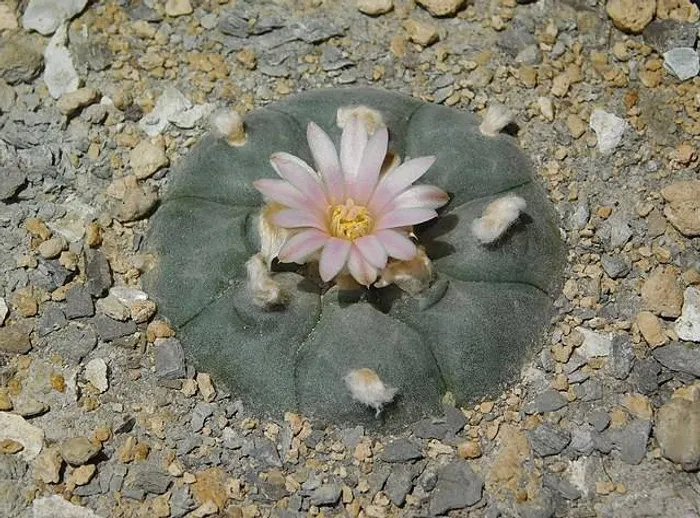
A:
(412, 276)
(266, 292)
(367, 388)
(497, 117)
(229, 124)
(272, 237)
(498, 216)
(370, 117)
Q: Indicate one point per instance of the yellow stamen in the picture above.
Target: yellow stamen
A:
(350, 221)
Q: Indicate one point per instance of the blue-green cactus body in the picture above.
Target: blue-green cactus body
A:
(468, 333)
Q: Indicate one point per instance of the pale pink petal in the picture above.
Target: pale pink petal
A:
(333, 257)
(372, 250)
(397, 180)
(420, 196)
(302, 245)
(300, 175)
(404, 218)
(282, 192)
(326, 159)
(360, 269)
(397, 245)
(295, 218)
(352, 146)
(371, 163)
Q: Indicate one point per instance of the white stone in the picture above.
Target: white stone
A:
(45, 16)
(682, 62)
(3, 310)
(58, 507)
(187, 119)
(688, 325)
(96, 373)
(178, 7)
(609, 129)
(594, 344)
(111, 307)
(127, 296)
(168, 105)
(15, 428)
(59, 73)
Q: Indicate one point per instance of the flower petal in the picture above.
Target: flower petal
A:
(333, 257)
(300, 175)
(282, 192)
(352, 146)
(398, 179)
(360, 269)
(404, 218)
(300, 246)
(295, 218)
(372, 250)
(397, 245)
(327, 162)
(371, 163)
(420, 196)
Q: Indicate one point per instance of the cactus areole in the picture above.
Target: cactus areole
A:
(338, 240)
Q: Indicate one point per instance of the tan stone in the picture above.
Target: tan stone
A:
(206, 387)
(650, 327)
(71, 102)
(677, 430)
(576, 126)
(679, 10)
(638, 405)
(178, 7)
(424, 34)
(147, 158)
(8, 446)
(83, 474)
(683, 209)
(375, 7)
(469, 450)
(661, 293)
(442, 7)
(47, 466)
(631, 15)
(211, 486)
(560, 85)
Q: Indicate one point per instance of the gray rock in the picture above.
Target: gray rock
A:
(169, 358)
(60, 75)
(664, 35)
(200, 413)
(11, 181)
(599, 420)
(620, 231)
(78, 450)
(645, 374)
(548, 439)
(583, 440)
(549, 401)
(7, 97)
(45, 16)
(457, 487)
(109, 329)
(631, 440)
(680, 358)
(530, 55)
(79, 303)
(589, 390)
(91, 489)
(561, 486)
(682, 62)
(73, 342)
(622, 357)
(150, 481)
(399, 483)
(266, 451)
(430, 428)
(515, 39)
(327, 494)
(615, 266)
(576, 361)
(20, 60)
(180, 501)
(99, 274)
(401, 450)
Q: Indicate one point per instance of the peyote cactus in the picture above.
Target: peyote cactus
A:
(468, 329)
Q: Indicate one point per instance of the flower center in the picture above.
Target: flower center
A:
(350, 221)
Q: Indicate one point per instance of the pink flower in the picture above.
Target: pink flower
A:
(357, 217)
